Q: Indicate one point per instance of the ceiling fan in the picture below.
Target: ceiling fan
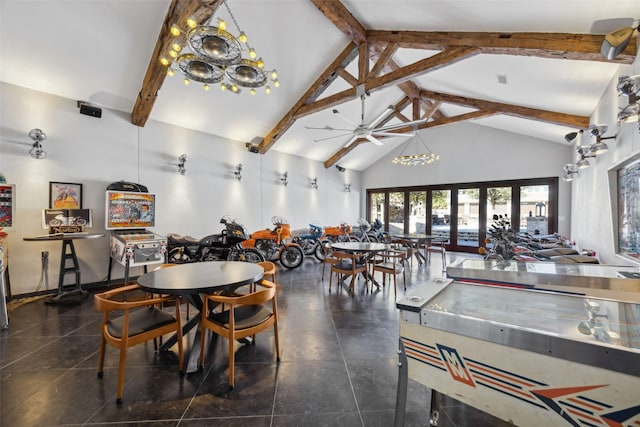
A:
(368, 130)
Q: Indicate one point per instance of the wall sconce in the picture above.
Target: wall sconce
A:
(182, 159)
(599, 147)
(569, 171)
(37, 135)
(284, 179)
(629, 86)
(314, 183)
(238, 172)
(347, 188)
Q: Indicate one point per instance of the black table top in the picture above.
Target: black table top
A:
(360, 246)
(63, 236)
(200, 277)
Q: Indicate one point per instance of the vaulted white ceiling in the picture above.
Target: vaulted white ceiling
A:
(99, 50)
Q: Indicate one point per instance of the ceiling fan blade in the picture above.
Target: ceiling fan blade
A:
(374, 140)
(332, 137)
(392, 134)
(327, 128)
(399, 125)
(381, 117)
(343, 118)
(351, 141)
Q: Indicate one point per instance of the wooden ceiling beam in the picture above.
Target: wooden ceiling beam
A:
(340, 16)
(584, 47)
(178, 12)
(459, 118)
(580, 122)
(325, 79)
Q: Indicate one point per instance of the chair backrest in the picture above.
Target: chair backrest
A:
(269, 269)
(259, 296)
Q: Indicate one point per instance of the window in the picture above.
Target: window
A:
(531, 204)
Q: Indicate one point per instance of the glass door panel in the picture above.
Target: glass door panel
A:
(417, 212)
(468, 217)
(498, 203)
(376, 208)
(534, 202)
(441, 213)
(396, 213)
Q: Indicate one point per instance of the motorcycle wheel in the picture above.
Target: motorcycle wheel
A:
(176, 256)
(373, 238)
(291, 256)
(247, 255)
(319, 252)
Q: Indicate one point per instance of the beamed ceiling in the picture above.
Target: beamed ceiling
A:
(439, 60)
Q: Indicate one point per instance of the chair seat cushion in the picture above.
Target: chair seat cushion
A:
(142, 320)
(246, 316)
(346, 265)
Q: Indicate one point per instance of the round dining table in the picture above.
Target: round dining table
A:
(192, 280)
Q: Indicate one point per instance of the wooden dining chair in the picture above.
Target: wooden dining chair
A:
(240, 316)
(348, 264)
(391, 263)
(270, 270)
(182, 300)
(329, 259)
(437, 245)
(139, 319)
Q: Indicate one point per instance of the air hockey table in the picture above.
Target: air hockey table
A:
(529, 357)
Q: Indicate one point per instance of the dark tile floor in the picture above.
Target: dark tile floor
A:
(338, 367)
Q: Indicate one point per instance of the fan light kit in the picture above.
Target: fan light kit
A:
(215, 57)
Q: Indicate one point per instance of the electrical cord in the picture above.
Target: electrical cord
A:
(44, 274)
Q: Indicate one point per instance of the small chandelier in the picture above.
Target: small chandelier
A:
(422, 156)
(215, 56)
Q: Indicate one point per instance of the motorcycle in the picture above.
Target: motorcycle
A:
(505, 244)
(377, 234)
(362, 234)
(310, 242)
(340, 233)
(215, 247)
(272, 244)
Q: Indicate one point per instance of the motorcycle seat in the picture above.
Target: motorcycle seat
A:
(187, 240)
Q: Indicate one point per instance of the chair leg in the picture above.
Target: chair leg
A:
(231, 361)
(103, 343)
(121, 366)
(203, 331)
(330, 278)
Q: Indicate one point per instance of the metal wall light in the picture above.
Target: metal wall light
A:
(569, 171)
(630, 87)
(314, 183)
(347, 188)
(182, 159)
(284, 179)
(599, 147)
(238, 172)
(37, 135)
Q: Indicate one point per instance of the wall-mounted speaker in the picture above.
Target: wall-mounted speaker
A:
(89, 110)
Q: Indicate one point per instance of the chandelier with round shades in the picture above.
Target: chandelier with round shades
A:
(211, 55)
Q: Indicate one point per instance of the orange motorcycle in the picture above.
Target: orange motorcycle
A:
(272, 243)
(340, 233)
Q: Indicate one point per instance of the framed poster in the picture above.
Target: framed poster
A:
(7, 206)
(65, 195)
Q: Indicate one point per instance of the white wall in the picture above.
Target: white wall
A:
(473, 153)
(592, 220)
(95, 152)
